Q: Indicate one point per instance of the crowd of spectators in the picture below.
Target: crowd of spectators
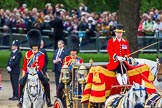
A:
(151, 24)
(79, 20)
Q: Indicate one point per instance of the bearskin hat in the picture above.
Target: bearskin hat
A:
(74, 43)
(34, 37)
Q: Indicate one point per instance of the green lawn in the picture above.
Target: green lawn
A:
(97, 57)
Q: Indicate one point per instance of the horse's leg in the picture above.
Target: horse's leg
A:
(26, 101)
(159, 103)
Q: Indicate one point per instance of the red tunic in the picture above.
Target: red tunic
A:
(38, 62)
(68, 61)
(116, 48)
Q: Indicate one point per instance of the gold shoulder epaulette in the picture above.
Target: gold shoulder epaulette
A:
(124, 38)
(114, 39)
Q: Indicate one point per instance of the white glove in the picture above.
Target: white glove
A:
(9, 69)
(124, 58)
(120, 58)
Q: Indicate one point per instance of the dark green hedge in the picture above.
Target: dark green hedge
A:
(97, 57)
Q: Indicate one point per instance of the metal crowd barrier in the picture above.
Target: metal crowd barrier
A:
(94, 44)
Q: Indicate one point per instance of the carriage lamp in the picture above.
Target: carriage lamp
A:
(82, 74)
(91, 62)
(65, 74)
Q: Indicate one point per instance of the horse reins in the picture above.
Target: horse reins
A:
(127, 97)
(143, 48)
(30, 95)
(122, 65)
(146, 78)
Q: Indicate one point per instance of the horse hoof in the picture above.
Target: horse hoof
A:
(19, 105)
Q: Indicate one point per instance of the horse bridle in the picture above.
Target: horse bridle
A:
(139, 89)
(134, 89)
(29, 94)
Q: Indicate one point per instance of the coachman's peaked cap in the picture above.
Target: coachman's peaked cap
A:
(119, 28)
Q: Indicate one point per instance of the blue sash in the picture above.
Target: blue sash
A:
(71, 65)
(34, 58)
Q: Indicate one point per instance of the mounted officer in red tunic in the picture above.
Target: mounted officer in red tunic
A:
(34, 58)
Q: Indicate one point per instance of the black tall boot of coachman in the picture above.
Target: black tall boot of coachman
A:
(48, 98)
(48, 101)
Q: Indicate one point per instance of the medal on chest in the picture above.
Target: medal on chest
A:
(124, 46)
(13, 57)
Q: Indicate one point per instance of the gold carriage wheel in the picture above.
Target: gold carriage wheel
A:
(57, 103)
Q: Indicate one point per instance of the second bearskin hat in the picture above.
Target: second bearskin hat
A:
(74, 43)
(34, 37)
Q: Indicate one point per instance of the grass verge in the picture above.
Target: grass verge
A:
(97, 57)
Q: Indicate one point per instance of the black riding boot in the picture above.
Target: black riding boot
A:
(45, 83)
(48, 97)
(22, 84)
(42, 77)
(21, 97)
(60, 91)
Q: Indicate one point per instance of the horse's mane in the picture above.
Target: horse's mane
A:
(160, 68)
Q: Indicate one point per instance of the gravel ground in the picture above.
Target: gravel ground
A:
(6, 91)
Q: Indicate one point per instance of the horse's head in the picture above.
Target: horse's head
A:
(139, 92)
(32, 71)
(32, 82)
(159, 73)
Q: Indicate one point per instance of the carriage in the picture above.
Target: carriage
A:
(73, 87)
(73, 91)
(76, 92)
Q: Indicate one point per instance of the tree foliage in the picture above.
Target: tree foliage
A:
(8, 4)
(94, 5)
(147, 4)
